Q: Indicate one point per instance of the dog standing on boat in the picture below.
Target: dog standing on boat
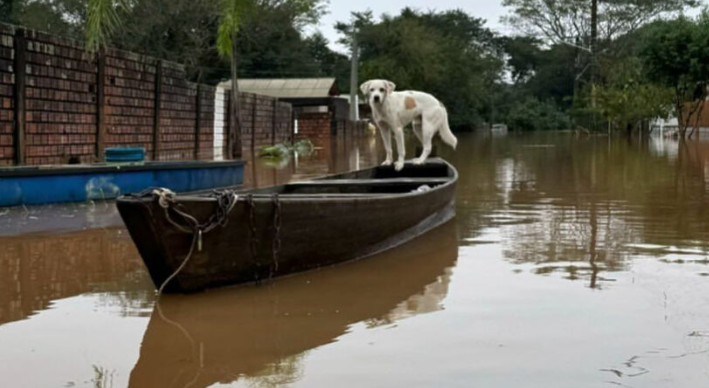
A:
(392, 111)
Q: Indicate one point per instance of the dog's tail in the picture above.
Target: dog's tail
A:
(445, 131)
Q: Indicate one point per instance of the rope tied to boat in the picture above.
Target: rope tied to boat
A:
(167, 199)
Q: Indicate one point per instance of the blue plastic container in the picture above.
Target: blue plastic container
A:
(125, 154)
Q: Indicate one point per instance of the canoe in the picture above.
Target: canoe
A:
(194, 242)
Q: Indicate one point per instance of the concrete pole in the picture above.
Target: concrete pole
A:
(354, 87)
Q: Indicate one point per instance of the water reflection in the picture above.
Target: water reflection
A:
(37, 269)
(263, 334)
(582, 207)
(342, 155)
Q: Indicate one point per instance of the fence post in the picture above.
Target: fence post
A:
(156, 111)
(100, 103)
(254, 101)
(228, 132)
(198, 123)
(275, 121)
(20, 82)
(293, 119)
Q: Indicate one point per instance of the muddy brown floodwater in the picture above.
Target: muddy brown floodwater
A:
(572, 262)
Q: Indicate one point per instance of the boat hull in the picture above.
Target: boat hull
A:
(39, 185)
(313, 232)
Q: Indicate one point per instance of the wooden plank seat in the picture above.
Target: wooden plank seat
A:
(361, 186)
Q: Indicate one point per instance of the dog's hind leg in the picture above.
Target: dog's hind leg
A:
(418, 125)
(428, 130)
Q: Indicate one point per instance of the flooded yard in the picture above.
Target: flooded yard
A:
(572, 262)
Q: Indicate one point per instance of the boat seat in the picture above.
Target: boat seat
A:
(373, 182)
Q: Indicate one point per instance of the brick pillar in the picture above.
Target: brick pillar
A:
(100, 104)
(20, 82)
(156, 113)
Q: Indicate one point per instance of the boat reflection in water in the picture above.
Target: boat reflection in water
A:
(265, 332)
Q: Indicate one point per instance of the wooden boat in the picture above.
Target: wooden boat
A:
(194, 242)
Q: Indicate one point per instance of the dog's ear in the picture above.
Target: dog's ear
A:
(391, 87)
(365, 87)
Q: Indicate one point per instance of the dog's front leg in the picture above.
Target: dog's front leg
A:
(400, 148)
(386, 139)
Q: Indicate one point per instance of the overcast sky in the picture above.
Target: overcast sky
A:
(340, 10)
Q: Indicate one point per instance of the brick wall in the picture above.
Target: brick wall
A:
(316, 127)
(321, 130)
(271, 118)
(59, 104)
(129, 100)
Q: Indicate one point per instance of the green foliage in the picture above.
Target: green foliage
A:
(675, 55)
(596, 88)
(234, 13)
(102, 19)
(231, 13)
(271, 41)
(532, 114)
(64, 17)
(182, 31)
(524, 56)
(303, 147)
(627, 98)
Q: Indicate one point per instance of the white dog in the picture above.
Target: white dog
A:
(392, 111)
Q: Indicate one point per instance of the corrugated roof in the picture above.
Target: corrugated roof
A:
(287, 87)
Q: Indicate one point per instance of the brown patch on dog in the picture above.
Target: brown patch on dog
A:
(410, 103)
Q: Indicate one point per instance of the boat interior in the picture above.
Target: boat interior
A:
(377, 181)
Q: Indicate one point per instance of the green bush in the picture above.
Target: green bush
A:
(534, 115)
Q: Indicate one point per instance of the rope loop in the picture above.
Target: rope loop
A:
(167, 199)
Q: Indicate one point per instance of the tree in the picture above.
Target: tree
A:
(531, 114)
(524, 57)
(570, 21)
(64, 17)
(327, 62)
(181, 31)
(628, 99)
(675, 55)
(102, 19)
(591, 27)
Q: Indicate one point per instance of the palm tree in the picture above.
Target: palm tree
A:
(230, 21)
(102, 19)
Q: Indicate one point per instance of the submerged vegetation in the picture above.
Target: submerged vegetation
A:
(284, 150)
(568, 64)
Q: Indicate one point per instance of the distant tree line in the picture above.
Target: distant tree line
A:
(570, 64)
(605, 65)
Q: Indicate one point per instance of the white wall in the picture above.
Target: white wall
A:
(219, 123)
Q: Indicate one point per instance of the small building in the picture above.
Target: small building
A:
(669, 126)
(319, 113)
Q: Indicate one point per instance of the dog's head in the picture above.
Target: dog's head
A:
(377, 90)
